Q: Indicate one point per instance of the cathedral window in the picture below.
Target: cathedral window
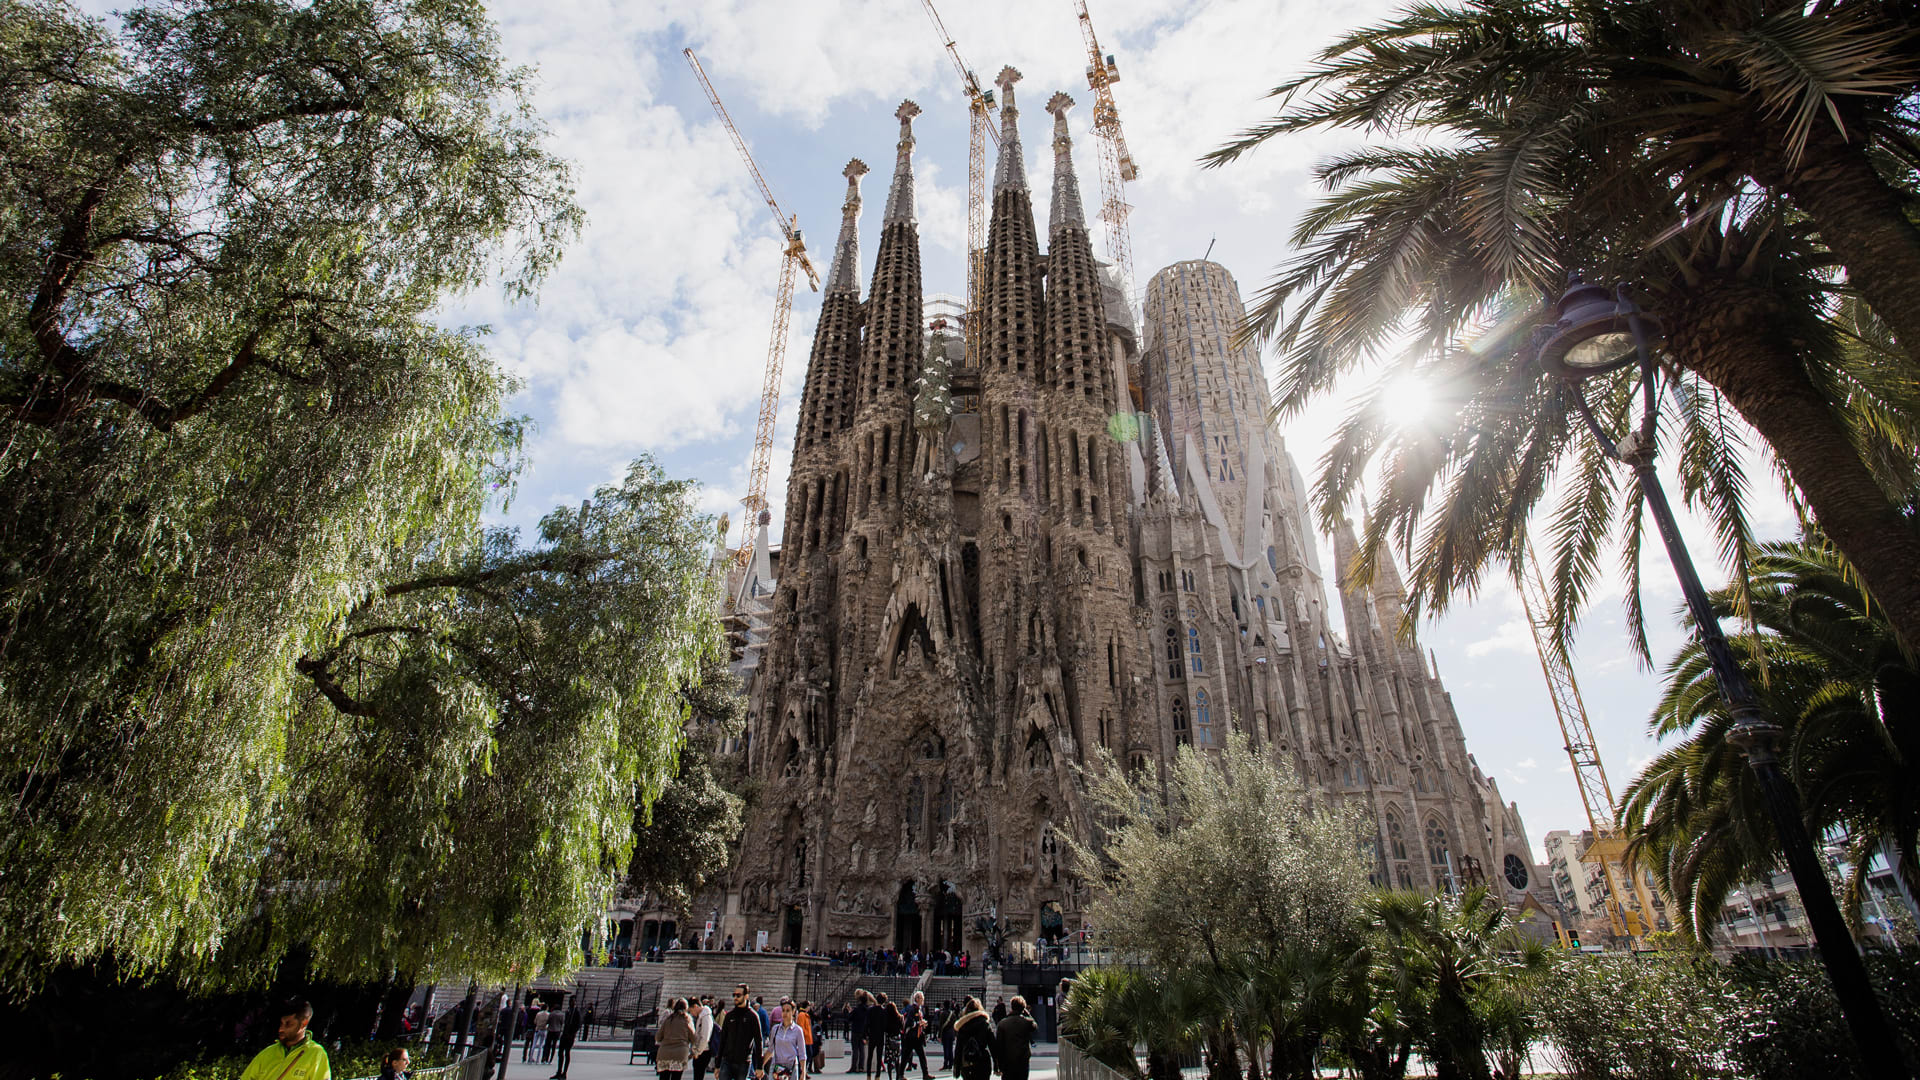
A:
(1437, 854)
(1273, 560)
(1181, 735)
(1396, 837)
(1193, 650)
(1186, 580)
(1260, 604)
(1202, 719)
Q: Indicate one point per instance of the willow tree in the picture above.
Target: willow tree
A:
(263, 677)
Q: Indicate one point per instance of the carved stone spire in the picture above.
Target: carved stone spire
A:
(900, 195)
(1066, 212)
(845, 273)
(1011, 170)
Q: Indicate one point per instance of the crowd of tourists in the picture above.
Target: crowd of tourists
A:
(747, 1040)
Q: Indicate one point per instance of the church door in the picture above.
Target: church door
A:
(906, 920)
(790, 934)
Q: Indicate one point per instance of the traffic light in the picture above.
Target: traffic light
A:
(1573, 938)
(1560, 934)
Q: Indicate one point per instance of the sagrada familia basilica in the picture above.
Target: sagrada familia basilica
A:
(1090, 540)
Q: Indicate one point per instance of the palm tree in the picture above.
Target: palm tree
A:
(1110, 1010)
(1563, 134)
(1457, 973)
(1829, 669)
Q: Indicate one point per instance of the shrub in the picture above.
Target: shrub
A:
(1787, 1024)
(1660, 1017)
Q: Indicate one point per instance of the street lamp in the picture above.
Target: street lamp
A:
(1597, 331)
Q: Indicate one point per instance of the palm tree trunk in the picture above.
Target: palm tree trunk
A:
(1863, 221)
(1729, 338)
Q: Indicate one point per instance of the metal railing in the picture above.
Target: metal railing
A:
(1077, 1064)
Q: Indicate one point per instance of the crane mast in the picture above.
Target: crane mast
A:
(981, 115)
(1590, 776)
(1116, 161)
(793, 257)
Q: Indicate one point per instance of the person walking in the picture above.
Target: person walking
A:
(973, 1042)
(294, 1055)
(914, 1037)
(891, 1026)
(556, 1022)
(766, 1018)
(703, 1037)
(673, 1043)
(740, 1040)
(857, 1032)
(569, 1033)
(1013, 1040)
(999, 1012)
(788, 1051)
(948, 1014)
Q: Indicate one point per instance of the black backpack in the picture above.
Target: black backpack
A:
(975, 1057)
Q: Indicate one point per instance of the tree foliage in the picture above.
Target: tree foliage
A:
(1236, 887)
(1829, 670)
(264, 678)
(686, 836)
(1746, 167)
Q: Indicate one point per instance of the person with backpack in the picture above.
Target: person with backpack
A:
(973, 1042)
(1013, 1040)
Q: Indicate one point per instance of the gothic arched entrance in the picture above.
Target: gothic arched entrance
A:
(946, 925)
(906, 920)
(790, 932)
(1053, 922)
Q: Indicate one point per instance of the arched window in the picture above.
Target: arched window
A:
(1181, 735)
(1173, 644)
(1396, 837)
(1437, 856)
(1193, 649)
(1203, 719)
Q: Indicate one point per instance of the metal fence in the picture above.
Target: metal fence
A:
(1077, 1064)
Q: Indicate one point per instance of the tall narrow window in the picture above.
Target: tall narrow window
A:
(1437, 855)
(1202, 719)
(1193, 650)
(1181, 735)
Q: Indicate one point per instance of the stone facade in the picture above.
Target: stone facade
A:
(988, 575)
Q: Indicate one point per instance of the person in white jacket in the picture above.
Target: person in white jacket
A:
(703, 1037)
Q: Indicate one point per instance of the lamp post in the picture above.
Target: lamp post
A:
(1597, 331)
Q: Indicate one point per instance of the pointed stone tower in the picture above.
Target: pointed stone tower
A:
(817, 486)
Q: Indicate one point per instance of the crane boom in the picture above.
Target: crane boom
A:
(1589, 775)
(1116, 161)
(793, 257)
(980, 128)
(789, 227)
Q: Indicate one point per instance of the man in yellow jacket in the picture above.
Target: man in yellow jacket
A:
(297, 1055)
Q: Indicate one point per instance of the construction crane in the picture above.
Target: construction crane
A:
(981, 117)
(1590, 776)
(795, 257)
(1116, 161)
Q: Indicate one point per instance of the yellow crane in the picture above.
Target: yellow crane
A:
(1590, 776)
(1116, 161)
(980, 128)
(795, 258)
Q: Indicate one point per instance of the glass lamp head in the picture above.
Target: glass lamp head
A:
(1593, 332)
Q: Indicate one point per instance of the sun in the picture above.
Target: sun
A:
(1406, 401)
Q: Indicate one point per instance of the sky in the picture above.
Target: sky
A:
(652, 335)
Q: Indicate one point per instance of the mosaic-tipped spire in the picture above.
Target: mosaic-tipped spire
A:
(900, 196)
(1011, 170)
(845, 273)
(1066, 212)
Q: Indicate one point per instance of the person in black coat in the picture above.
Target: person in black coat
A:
(1013, 1040)
(857, 1032)
(974, 1053)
